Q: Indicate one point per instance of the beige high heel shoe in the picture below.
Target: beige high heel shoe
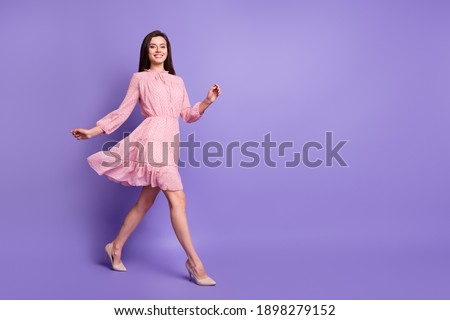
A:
(118, 267)
(201, 282)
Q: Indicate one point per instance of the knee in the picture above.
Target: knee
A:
(178, 200)
(144, 205)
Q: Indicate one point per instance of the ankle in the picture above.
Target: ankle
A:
(197, 267)
(194, 262)
(116, 247)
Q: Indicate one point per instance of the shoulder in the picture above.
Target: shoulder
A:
(137, 75)
(176, 79)
(137, 78)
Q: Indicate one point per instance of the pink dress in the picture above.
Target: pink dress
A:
(148, 155)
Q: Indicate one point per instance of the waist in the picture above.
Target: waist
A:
(161, 116)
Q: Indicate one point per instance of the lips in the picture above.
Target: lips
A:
(158, 55)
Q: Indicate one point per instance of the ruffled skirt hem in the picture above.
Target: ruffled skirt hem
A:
(132, 173)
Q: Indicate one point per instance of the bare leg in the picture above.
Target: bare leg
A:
(177, 204)
(133, 218)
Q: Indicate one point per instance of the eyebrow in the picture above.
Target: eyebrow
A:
(156, 44)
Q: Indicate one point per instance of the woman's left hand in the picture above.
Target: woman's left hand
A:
(213, 93)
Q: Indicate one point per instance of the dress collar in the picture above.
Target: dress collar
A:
(150, 70)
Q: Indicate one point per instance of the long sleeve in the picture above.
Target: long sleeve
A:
(116, 118)
(189, 114)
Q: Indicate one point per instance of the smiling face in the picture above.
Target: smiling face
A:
(157, 51)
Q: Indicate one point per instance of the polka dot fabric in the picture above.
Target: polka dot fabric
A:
(148, 155)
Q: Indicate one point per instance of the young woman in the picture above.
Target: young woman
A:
(148, 157)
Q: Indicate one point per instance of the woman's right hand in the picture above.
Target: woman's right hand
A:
(81, 133)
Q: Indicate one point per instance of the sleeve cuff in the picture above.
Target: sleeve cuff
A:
(101, 126)
(197, 110)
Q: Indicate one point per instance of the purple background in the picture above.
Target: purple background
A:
(375, 73)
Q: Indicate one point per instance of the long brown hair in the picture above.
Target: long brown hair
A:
(144, 61)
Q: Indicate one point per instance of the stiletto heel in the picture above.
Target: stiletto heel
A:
(201, 282)
(118, 267)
